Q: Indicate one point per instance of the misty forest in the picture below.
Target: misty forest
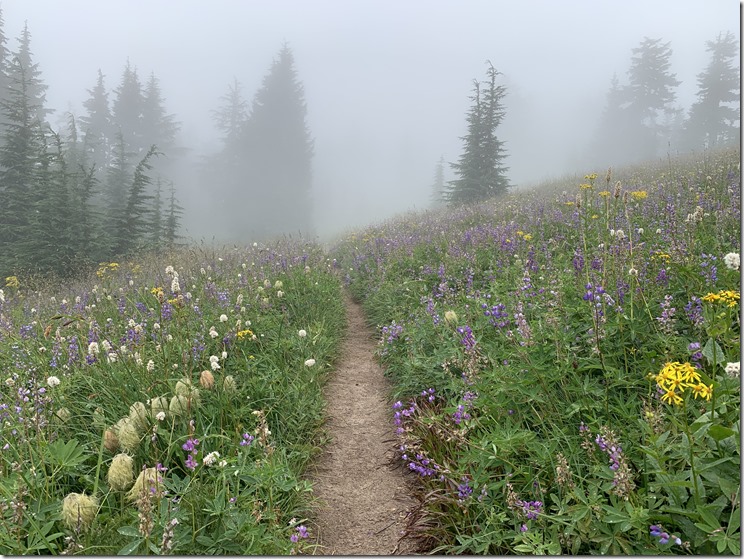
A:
(555, 365)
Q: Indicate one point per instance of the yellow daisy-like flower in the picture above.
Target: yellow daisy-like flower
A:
(244, 333)
(12, 281)
(639, 194)
(527, 237)
(688, 373)
(604, 194)
(585, 186)
(703, 391)
(671, 397)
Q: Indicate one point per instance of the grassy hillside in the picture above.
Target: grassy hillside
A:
(567, 361)
(197, 374)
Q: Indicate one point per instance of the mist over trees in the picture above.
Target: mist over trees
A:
(73, 201)
(641, 120)
(262, 176)
(110, 181)
(480, 169)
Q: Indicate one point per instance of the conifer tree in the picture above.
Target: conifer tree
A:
(22, 154)
(158, 127)
(480, 170)
(128, 109)
(173, 220)
(714, 118)
(278, 150)
(132, 225)
(5, 56)
(97, 125)
(651, 95)
(438, 186)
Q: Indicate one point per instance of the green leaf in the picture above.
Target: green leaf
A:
(130, 548)
(719, 432)
(712, 346)
(66, 455)
(129, 531)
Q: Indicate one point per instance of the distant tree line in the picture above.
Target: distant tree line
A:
(90, 193)
(640, 120)
(261, 178)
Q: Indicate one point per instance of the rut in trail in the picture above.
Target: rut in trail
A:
(363, 498)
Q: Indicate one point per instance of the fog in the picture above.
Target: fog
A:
(386, 82)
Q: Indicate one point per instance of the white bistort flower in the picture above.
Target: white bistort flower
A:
(223, 318)
(302, 333)
(309, 362)
(52, 382)
(732, 260)
(211, 458)
(733, 369)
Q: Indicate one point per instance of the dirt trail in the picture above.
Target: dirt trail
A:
(363, 497)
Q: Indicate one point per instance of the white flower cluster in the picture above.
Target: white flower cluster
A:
(733, 369)
(732, 260)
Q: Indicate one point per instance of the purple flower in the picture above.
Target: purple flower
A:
(247, 439)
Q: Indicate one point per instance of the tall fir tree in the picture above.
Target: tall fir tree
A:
(480, 170)
(22, 155)
(128, 111)
(438, 185)
(5, 56)
(651, 95)
(171, 234)
(97, 124)
(131, 226)
(278, 151)
(158, 127)
(714, 119)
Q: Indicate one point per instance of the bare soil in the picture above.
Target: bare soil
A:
(364, 498)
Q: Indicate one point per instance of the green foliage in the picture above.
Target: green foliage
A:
(93, 371)
(480, 170)
(532, 343)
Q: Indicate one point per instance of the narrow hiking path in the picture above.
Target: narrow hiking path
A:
(363, 497)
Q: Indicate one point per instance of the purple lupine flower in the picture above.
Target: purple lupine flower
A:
(247, 439)
(467, 340)
(464, 491)
(694, 310)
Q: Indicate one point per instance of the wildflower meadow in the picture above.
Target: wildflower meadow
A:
(566, 362)
(168, 405)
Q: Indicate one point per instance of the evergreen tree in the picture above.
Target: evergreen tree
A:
(156, 222)
(278, 152)
(613, 133)
(714, 117)
(480, 170)
(128, 111)
(438, 186)
(232, 115)
(650, 95)
(158, 127)
(22, 154)
(98, 128)
(53, 243)
(5, 57)
(111, 201)
(173, 220)
(132, 226)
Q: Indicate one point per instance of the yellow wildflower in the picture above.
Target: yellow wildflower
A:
(604, 194)
(671, 397)
(585, 186)
(728, 297)
(12, 281)
(703, 391)
(639, 195)
(527, 237)
(590, 177)
(244, 333)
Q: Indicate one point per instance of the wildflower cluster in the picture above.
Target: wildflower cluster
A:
(727, 297)
(675, 377)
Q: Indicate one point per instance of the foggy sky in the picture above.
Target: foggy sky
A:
(386, 81)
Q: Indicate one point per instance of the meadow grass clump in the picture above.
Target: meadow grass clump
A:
(566, 361)
(164, 405)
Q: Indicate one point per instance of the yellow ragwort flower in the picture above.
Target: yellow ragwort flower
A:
(671, 397)
(585, 186)
(604, 194)
(12, 281)
(639, 195)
